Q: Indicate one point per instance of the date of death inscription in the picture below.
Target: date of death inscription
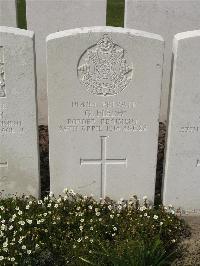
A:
(102, 117)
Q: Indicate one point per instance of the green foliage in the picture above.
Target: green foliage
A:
(115, 13)
(21, 14)
(73, 229)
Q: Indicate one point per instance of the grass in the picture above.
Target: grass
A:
(115, 13)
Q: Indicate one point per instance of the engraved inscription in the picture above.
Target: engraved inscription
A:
(3, 164)
(103, 161)
(105, 116)
(2, 74)
(197, 163)
(103, 70)
(8, 125)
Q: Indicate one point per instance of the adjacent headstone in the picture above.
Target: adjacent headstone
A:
(182, 167)
(8, 14)
(18, 126)
(167, 18)
(103, 96)
(45, 17)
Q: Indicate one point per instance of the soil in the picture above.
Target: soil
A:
(191, 245)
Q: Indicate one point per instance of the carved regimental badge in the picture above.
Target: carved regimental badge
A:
(103, 70)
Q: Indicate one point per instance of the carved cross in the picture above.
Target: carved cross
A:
(103, 161)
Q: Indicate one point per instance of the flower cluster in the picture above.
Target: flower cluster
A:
(67, 227)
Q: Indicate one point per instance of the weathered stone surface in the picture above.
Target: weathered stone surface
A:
(166, 18)
(104, 95)
(8, 14)
(182, 166)
(18, 126)
(45, 17)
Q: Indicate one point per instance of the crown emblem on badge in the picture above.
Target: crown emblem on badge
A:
(103, 70)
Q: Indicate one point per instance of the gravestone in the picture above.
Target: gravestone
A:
(8, 14)
(45, 17)
(18, 126)
(182, 179)
(166, 18)
(103, 96)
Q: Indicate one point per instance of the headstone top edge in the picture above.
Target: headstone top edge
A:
(103, 29)
(187, 34)
(17, 31)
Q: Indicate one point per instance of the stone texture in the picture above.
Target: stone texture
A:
(166, 18)
(45, 17)
(104, 95)
(18, 126)
(182, 166)
(8, 14)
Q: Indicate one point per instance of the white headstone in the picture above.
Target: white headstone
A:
(8, 14)
(45, 17)
(167, 18)
(182, 169)
(104, 95)
(18, 126)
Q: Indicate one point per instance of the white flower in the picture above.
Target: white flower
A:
(50, 194)
(81, 227)
(1, 257)
(111, 216)
(97, 213)
(145, 214)
(161, 223)
(23, 247)
(45, 214)
(11, 227)
(72, 192)
(115, 228)
(20, 212)
(155, 217)
(90, 207)
(28, 251)
(59, 200)
(65, 190)
(37, 246)
(39, 201)
(110, 207)
(21, 222)
(2, 208)
(17, 208)
(49, 205)
(91, 240)
(29, 221)
(82, 220)
(79, 240)
(12, 259)
(27, 207)
(56, 205)
(5, 244)
(143, 208)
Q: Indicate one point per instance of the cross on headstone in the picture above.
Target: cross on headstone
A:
(3, 164)
(103, 161)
